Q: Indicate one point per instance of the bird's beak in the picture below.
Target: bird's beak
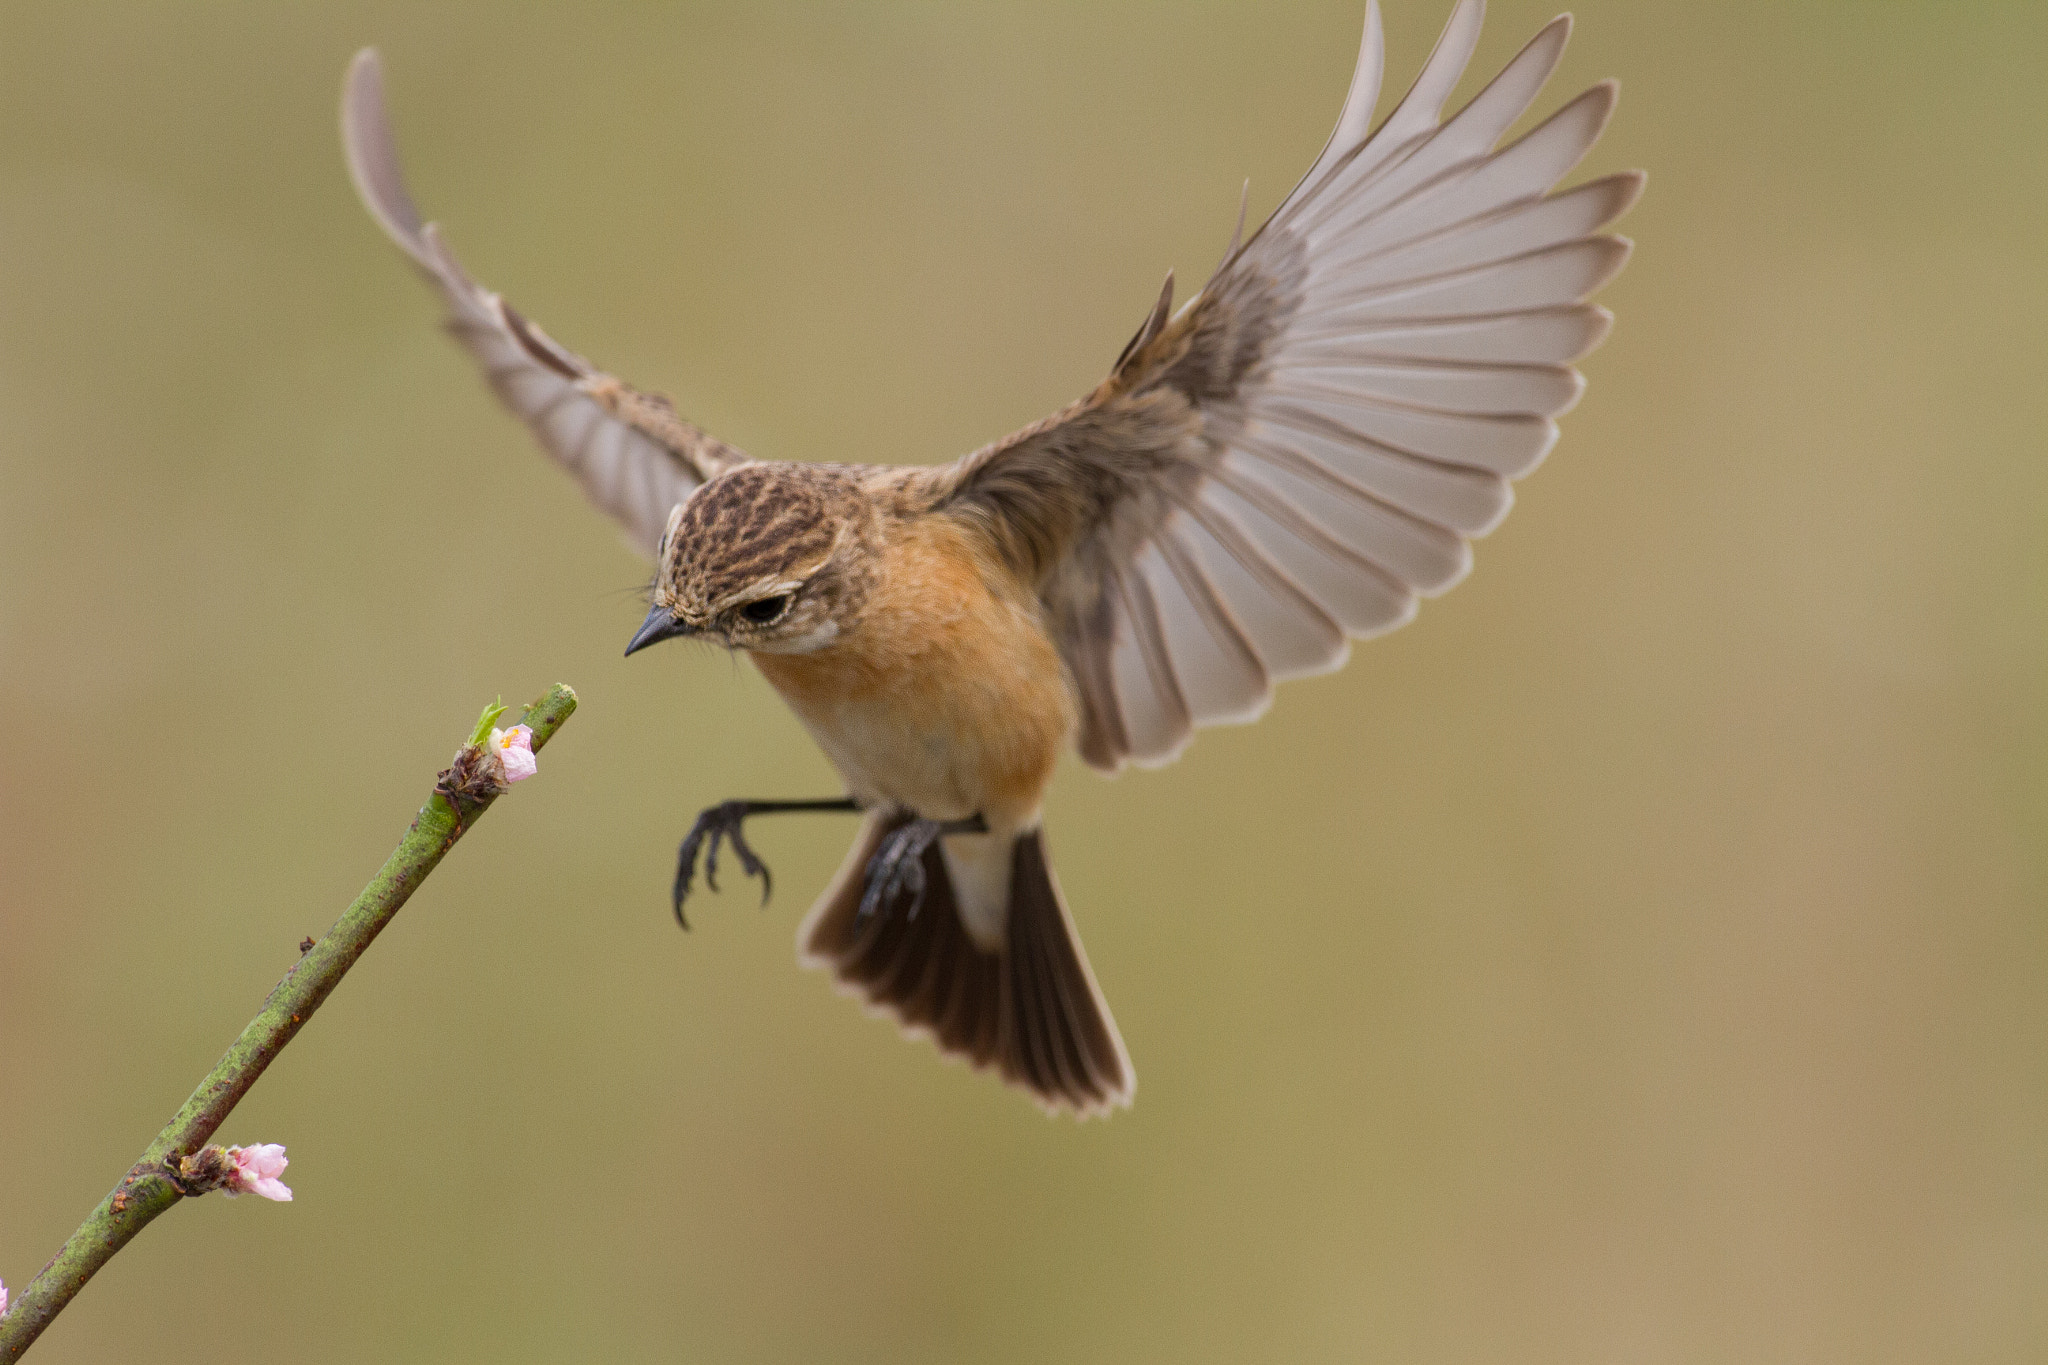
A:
(659, 625)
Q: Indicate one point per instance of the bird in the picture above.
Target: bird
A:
(1290, 460)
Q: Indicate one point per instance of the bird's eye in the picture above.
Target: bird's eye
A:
(766, 610)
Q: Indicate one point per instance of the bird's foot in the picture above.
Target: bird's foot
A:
(722, 822)
(898, 863)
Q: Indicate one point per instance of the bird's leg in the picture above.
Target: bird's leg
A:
(898, 863)
(722, 821)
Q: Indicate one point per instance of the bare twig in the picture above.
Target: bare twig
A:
(151, 1185)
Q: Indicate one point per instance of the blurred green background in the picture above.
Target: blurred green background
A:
(1640, 958)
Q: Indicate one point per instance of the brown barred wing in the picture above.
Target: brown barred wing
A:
(634, 456)
(1307, 448)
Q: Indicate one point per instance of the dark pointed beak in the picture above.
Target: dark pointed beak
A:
(659, 625)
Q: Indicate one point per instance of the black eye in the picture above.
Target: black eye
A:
(766, 610)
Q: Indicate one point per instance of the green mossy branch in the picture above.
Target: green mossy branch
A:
(147, 1189)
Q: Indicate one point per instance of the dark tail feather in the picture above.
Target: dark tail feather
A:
(1030, 1010)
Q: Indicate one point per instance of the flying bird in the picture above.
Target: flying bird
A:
(1289, 461)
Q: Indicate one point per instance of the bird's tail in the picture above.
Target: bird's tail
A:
(1030, 1009)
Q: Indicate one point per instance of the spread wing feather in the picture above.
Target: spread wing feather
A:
(635, 457)
(1308, 447)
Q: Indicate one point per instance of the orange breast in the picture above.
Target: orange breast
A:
(947, 697)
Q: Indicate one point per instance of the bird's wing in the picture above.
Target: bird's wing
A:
(1306, 448)
(632, 453)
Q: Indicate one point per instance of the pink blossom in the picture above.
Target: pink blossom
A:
(513, 749)
(256, 1171)
(3, 1298)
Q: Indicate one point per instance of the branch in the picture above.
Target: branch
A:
(151, 1185)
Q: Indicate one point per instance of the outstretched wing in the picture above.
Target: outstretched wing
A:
(1307, 448)
(632, 453)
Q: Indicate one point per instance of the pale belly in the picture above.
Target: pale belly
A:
(902, 755)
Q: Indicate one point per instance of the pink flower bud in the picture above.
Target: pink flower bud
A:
(513, 749)
(256, 1171)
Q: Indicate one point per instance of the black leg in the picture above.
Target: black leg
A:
(898, 863)
(722, 821)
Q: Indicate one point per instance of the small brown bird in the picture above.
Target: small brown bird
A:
(1290, 461)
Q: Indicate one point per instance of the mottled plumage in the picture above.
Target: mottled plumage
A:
(762, 531)
(1289, 462)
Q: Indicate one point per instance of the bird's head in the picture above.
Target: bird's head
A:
(764, 557)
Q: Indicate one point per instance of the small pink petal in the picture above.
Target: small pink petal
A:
(514, 750)
(257, 1170)
(3, 1298)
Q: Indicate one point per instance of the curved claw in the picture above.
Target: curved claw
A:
(716, 824)
(750, 863)
(718, 832)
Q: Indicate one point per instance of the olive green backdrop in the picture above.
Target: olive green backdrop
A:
(1640, 958)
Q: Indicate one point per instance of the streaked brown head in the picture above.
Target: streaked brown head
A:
(772, 557)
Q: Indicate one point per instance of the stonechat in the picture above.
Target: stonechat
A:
(1289, 461)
